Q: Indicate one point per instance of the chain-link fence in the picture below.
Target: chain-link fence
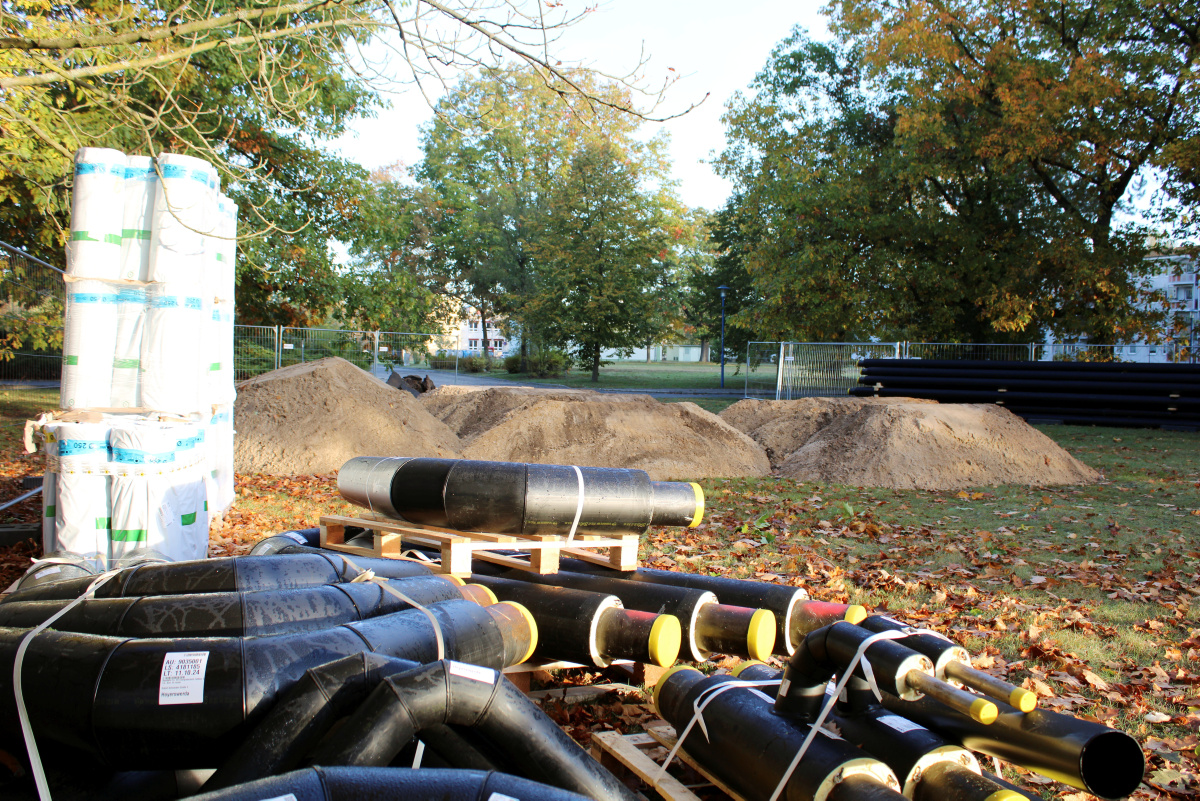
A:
(260, 349)
(31, 323)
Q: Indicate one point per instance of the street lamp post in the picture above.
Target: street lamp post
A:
(723, 289)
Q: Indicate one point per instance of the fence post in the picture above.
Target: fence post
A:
(278, 346)
(779, 374)
(375, 354)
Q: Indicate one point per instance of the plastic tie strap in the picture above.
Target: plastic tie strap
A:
(859, 656)
(578, 505)
(369, 575)
(35, 760)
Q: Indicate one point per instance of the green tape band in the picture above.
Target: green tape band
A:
(71, 360)
(135, 233)
(50, 511)
(188, 519)
(127, 364)
(104, 522)
(128, 535)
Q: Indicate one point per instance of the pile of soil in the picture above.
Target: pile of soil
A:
(313, 417)
(670, 441)
(916, 445)
(783, 427)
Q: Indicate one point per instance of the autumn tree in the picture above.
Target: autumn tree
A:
(601, 257)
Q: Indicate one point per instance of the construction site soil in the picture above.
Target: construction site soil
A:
(311, 418)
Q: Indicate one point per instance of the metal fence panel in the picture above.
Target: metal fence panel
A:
(966, 350)
(32, 297)
(255, 350)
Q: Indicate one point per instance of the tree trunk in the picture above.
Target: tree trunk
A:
(487, 359)
(595, 364)
(649, 345)
(703, 351)
(524, 353)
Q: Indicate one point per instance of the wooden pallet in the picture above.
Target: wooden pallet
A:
(459, 547)
(628, 753)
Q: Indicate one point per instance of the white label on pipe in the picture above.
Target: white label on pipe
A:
(501, 797)
(288, 797)
(473, 672)
(288, 346)
(899, 724)
(182, 680)
(292, 535)
(50, 571)
(784, 686)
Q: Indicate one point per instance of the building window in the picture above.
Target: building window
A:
(1183, 293)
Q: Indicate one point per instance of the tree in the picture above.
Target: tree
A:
(847, 229)
(601, 257)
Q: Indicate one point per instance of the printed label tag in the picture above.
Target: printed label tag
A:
(473, 672)
(899, 724)
(288, 797)
(784, 686)
(50, 571)
(182, 680)
(291, 535)
(288, 346)
(501, 797)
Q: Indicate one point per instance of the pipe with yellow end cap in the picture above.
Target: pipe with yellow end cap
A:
(949, 782)
(991, 686)
(978, 708)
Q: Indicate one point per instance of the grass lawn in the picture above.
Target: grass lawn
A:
(642, 375)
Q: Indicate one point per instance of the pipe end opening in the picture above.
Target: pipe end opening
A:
(1111, 765)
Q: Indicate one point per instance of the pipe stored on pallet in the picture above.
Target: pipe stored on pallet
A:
(1038, 366)
(748, 747)
(228, 574)
(515, 498)
(1105, 762)
(361, 784)
(795, 614)
(447, 693)
(1149, 403)
(708, 627)
(1066, 377)
(233, 614)
(116, 697)
(590, 627)
(1049, 383)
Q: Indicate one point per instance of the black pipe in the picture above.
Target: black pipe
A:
(1181, 406)
(376, 784)
(108, 695)
(590, 627)
(300, 536)
(514, 498)
(1038, 366)
(1105, 762)
(232, 614)
(449, 692)
(58, 566)
(940, 650)
(1050, 383)
(829, 650)
(708, 627)
(748, 747)
(1016, 373)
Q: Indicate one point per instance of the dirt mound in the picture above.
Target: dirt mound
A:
(783, 427)
(933, 446)
(313, 417)
(667, 440)
(470, 411)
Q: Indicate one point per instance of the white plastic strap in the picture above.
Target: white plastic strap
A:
(368, 575)
(702, 700)
(35, 761)
(859, 656)
(578, 505)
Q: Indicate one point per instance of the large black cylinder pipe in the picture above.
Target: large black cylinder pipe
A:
(1006, 373)
(1092, 757)
(299, 536)
(451, 693)
(229, 574)
(374, 784)
(515, 498)
(233, 614)
(795, 614)
(708, 627)
(1148, 403)
(1037, 366)
(748, 747)
(590, 627)
(1026, 384)
(127, 701)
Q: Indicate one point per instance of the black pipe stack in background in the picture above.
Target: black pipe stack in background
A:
(1087, 393)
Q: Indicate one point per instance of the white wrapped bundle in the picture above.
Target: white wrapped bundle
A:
(97, 213)
(89, 340)
(82, 506)
(127, 353)
(221, 435)
(219, 343)
(143, 465)
(227, 249)
(184, 212)
(189, 490)
(141, 183)
(49, 487)
(171, 348)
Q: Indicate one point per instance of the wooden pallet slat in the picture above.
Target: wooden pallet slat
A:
(619, 752)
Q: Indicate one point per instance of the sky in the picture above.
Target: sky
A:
(716, 48)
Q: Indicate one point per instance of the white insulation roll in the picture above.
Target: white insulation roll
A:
(227, 249)
(49, 488)
(190, 491)
(127, 354)
(219, 344)
(82, 504)
(97, 214)
(221, 435)
(171, 349)
(89, 341)
(184, 214)
(141, 183)
(144, 466)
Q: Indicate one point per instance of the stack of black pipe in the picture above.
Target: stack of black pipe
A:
(1089, 393)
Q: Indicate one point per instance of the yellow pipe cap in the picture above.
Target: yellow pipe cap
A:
(666, 638)
(1023, 699)
(699, 505)
(663, 680)
(760, 638)
(737, 671)
(984, 711)
(855, 613)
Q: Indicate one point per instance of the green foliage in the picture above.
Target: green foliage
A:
(442, 361)
(885, 188)
(512, 364)
(472, 364)
(550, 363)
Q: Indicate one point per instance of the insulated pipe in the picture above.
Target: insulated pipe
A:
(590, 627)
(748, 747)
(229, 574)
(1038, 366)
(1182, 406)
(374, 784)
(515, 498)
(233, 614)
(1105, 762)
(951, 662)
(708, 627)
(795, 614)
(185, 702)
(448, 692)
(57, 566)
(1027, 384)
(1066, 377)
(274, 543)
